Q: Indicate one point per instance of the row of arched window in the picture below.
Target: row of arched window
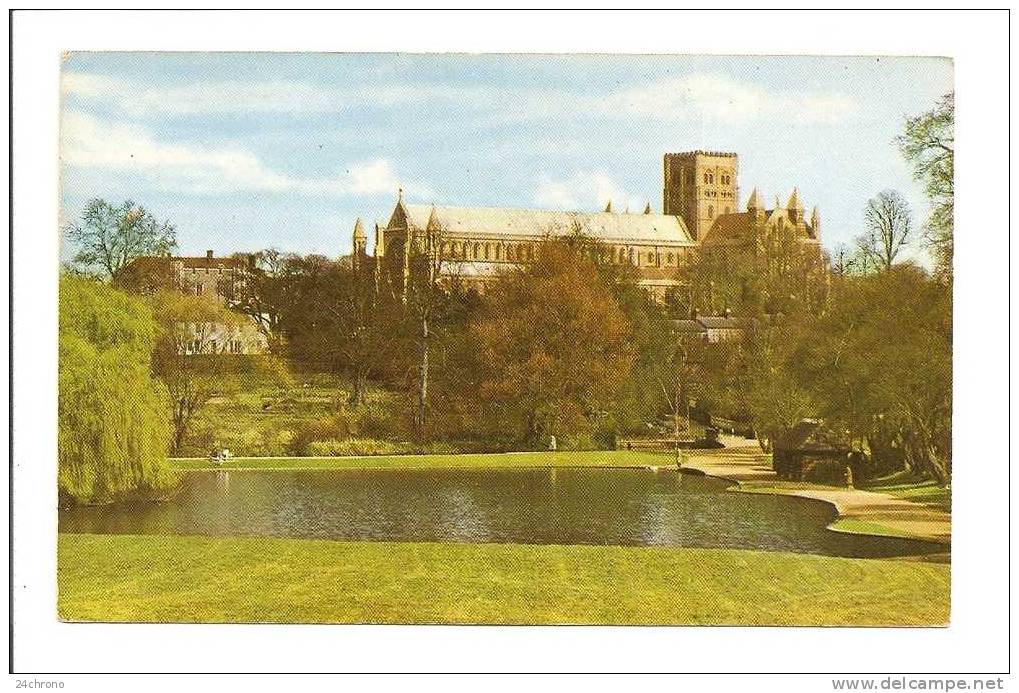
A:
(524, 252)
(465, 250)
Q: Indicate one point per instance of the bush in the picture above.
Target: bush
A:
(354, 446)
(832, 472)
(370, 446)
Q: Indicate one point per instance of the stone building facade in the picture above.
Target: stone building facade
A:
(476, 244)
(208, 276)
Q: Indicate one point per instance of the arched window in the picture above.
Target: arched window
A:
(509, 252)
(498, 252)
(651, 258)
(622, 255)
(488, 250)
(633, 257)
(705, 177)
(672, 258)
(477, 250)
(452, 248)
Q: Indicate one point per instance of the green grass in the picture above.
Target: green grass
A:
(910, 488)
(854, 526)
(196, 579)
(597, 458)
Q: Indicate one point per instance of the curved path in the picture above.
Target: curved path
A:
(865, 512)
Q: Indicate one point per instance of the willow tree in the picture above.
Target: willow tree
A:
(112, 426)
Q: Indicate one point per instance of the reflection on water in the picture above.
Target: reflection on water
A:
(529, 506)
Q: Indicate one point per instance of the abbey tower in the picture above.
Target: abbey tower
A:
(699, 186)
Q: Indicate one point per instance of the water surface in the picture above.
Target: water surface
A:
(637, 507)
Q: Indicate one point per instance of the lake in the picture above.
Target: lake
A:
(636, 507)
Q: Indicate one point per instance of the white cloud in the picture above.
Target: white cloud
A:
(585, 191)
(90, 143)
(713, 96)
(689, 97)
(274, 96)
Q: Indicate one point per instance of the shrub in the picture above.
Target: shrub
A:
(832, 472)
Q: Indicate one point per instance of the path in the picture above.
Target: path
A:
(743, 461)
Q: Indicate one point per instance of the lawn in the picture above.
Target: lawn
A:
(596, 458)
(911, 488)
(197, 579)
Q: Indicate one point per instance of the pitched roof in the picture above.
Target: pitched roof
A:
(738, 225)
(157, 262)
(721, 323)
(688, 326)
(493, 222)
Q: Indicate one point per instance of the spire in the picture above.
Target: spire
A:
(647, 209)
(359, 229)
(380, 241)
(794, 201)
(756, 201)
(399, 197)
(815, 221)
(608, 207)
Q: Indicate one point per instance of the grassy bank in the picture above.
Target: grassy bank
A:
(597, 458)
(196, 579)
(911, 488)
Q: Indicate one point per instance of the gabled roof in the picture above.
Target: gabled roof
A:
(157, 262)
(721, 323)
(494, 222)
(688, 326)
(737, 226)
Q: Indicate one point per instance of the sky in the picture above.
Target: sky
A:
(243, 151)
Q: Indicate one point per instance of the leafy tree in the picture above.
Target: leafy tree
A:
(889, 228)
(928, 144)
(189, 354)
(875, 366)
(108, 238)
(773, 272)
(551, 348)
(334, 319)
(112, 427)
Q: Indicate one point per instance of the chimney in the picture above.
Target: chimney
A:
(208, 254)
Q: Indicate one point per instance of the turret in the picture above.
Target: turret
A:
(815, 222)
(647, 209)
(756, 202)
(360, 241)
(608, 207)
(380, 241)
(794, 207)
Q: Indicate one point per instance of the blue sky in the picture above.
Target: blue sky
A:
(250, 150)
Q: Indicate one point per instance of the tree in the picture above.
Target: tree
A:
(334, 318)
(889, 228)
(550, 351)
(189, 354)
(112, 427)
(108, 238)
(262, 294)
(928, 144)
(876, 367)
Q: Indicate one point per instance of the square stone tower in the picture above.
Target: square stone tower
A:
(698, 186)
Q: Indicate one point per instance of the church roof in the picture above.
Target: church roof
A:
(738, 226)
(493, 222)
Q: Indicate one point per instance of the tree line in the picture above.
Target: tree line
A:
(566, 346)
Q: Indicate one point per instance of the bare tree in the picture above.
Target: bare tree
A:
(928, 144)
(889, 229)
(108, 238)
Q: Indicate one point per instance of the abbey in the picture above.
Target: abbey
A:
(700, 210)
